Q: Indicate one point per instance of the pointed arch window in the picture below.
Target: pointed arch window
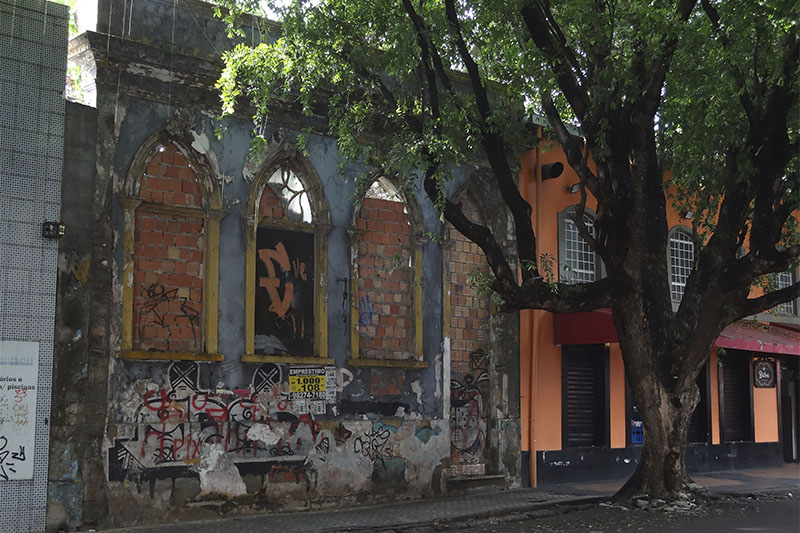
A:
(466, 312)
(286, 285)
(468, 309)
(386, 279)
(170, 255)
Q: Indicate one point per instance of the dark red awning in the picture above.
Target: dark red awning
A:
(755, 337)
(597, 327)
(592, 327)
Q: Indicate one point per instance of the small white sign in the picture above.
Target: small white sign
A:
(330, 379)
(316, 407)
(300, 407)
(19, 371)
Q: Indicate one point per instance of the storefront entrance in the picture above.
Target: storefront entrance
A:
(790, 413)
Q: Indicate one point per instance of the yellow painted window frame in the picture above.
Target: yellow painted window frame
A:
(211, 222)
(320, 231)
(356, 236)
(447, 284)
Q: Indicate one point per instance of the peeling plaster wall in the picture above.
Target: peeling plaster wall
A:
(191, 439)
(249, 450)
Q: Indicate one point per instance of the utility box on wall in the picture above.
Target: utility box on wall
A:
(33, 39)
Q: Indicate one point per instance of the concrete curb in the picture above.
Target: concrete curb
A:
(313, 518)
(473, 519)
(424, 516)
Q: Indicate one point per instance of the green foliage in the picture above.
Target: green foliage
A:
(530, 266)
(703, 122)
(396, 263)
(73, 87)
(433, 237)
(337, 56)
(73, 21)
(355, 69)
(481, 282)
(547, 262)
(721, 353)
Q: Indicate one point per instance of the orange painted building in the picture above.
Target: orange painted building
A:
(578, 421)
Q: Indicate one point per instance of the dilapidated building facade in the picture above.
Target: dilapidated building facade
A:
(236, 330)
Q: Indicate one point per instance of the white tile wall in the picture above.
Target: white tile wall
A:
(33, 42)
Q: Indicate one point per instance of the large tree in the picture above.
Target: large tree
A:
(705, 89)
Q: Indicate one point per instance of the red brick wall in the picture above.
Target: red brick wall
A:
(269, 205)
(385, 281)
(469, 312)
(168, 259)
(169, 180)
(469, 332)
(285, 474)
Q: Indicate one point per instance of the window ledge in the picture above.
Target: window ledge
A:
(776, 318)
(170, 356)
(286, 359)
(393, 363)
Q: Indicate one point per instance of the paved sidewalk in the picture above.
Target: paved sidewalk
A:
(784, 477)
(476, 505)
(378, 517)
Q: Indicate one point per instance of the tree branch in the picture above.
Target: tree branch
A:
(424, 47)
(480, 235)
(576, 155)
(744, 96)
(560, 38)
(754, 264)
(562, 297)
(651, 96)
(542, 34)
(580, 223)
(495, 148)
(753, 306)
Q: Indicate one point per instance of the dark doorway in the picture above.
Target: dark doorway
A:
(736, 396)
(585, 397)
(790, 414)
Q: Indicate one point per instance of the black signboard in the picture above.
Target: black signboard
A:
(284, 314)
(764, 374)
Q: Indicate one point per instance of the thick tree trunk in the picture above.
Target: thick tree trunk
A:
(666, 413)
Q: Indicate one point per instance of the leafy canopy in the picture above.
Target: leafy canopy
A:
(411, 87)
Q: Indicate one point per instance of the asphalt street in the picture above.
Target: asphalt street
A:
(763, 513)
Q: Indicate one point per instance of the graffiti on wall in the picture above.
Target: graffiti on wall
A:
(166, 309)
(267, 429)
(256, 427)
(284, 314)
(367, 317)
(376, 445)
(372, 443)
(19, 364)
(468, 412)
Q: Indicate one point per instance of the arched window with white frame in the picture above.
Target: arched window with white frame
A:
(577, 261)
(681, 261)
(781, 280)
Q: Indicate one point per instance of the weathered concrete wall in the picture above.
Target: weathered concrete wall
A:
(218, 428)
(80, 373)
